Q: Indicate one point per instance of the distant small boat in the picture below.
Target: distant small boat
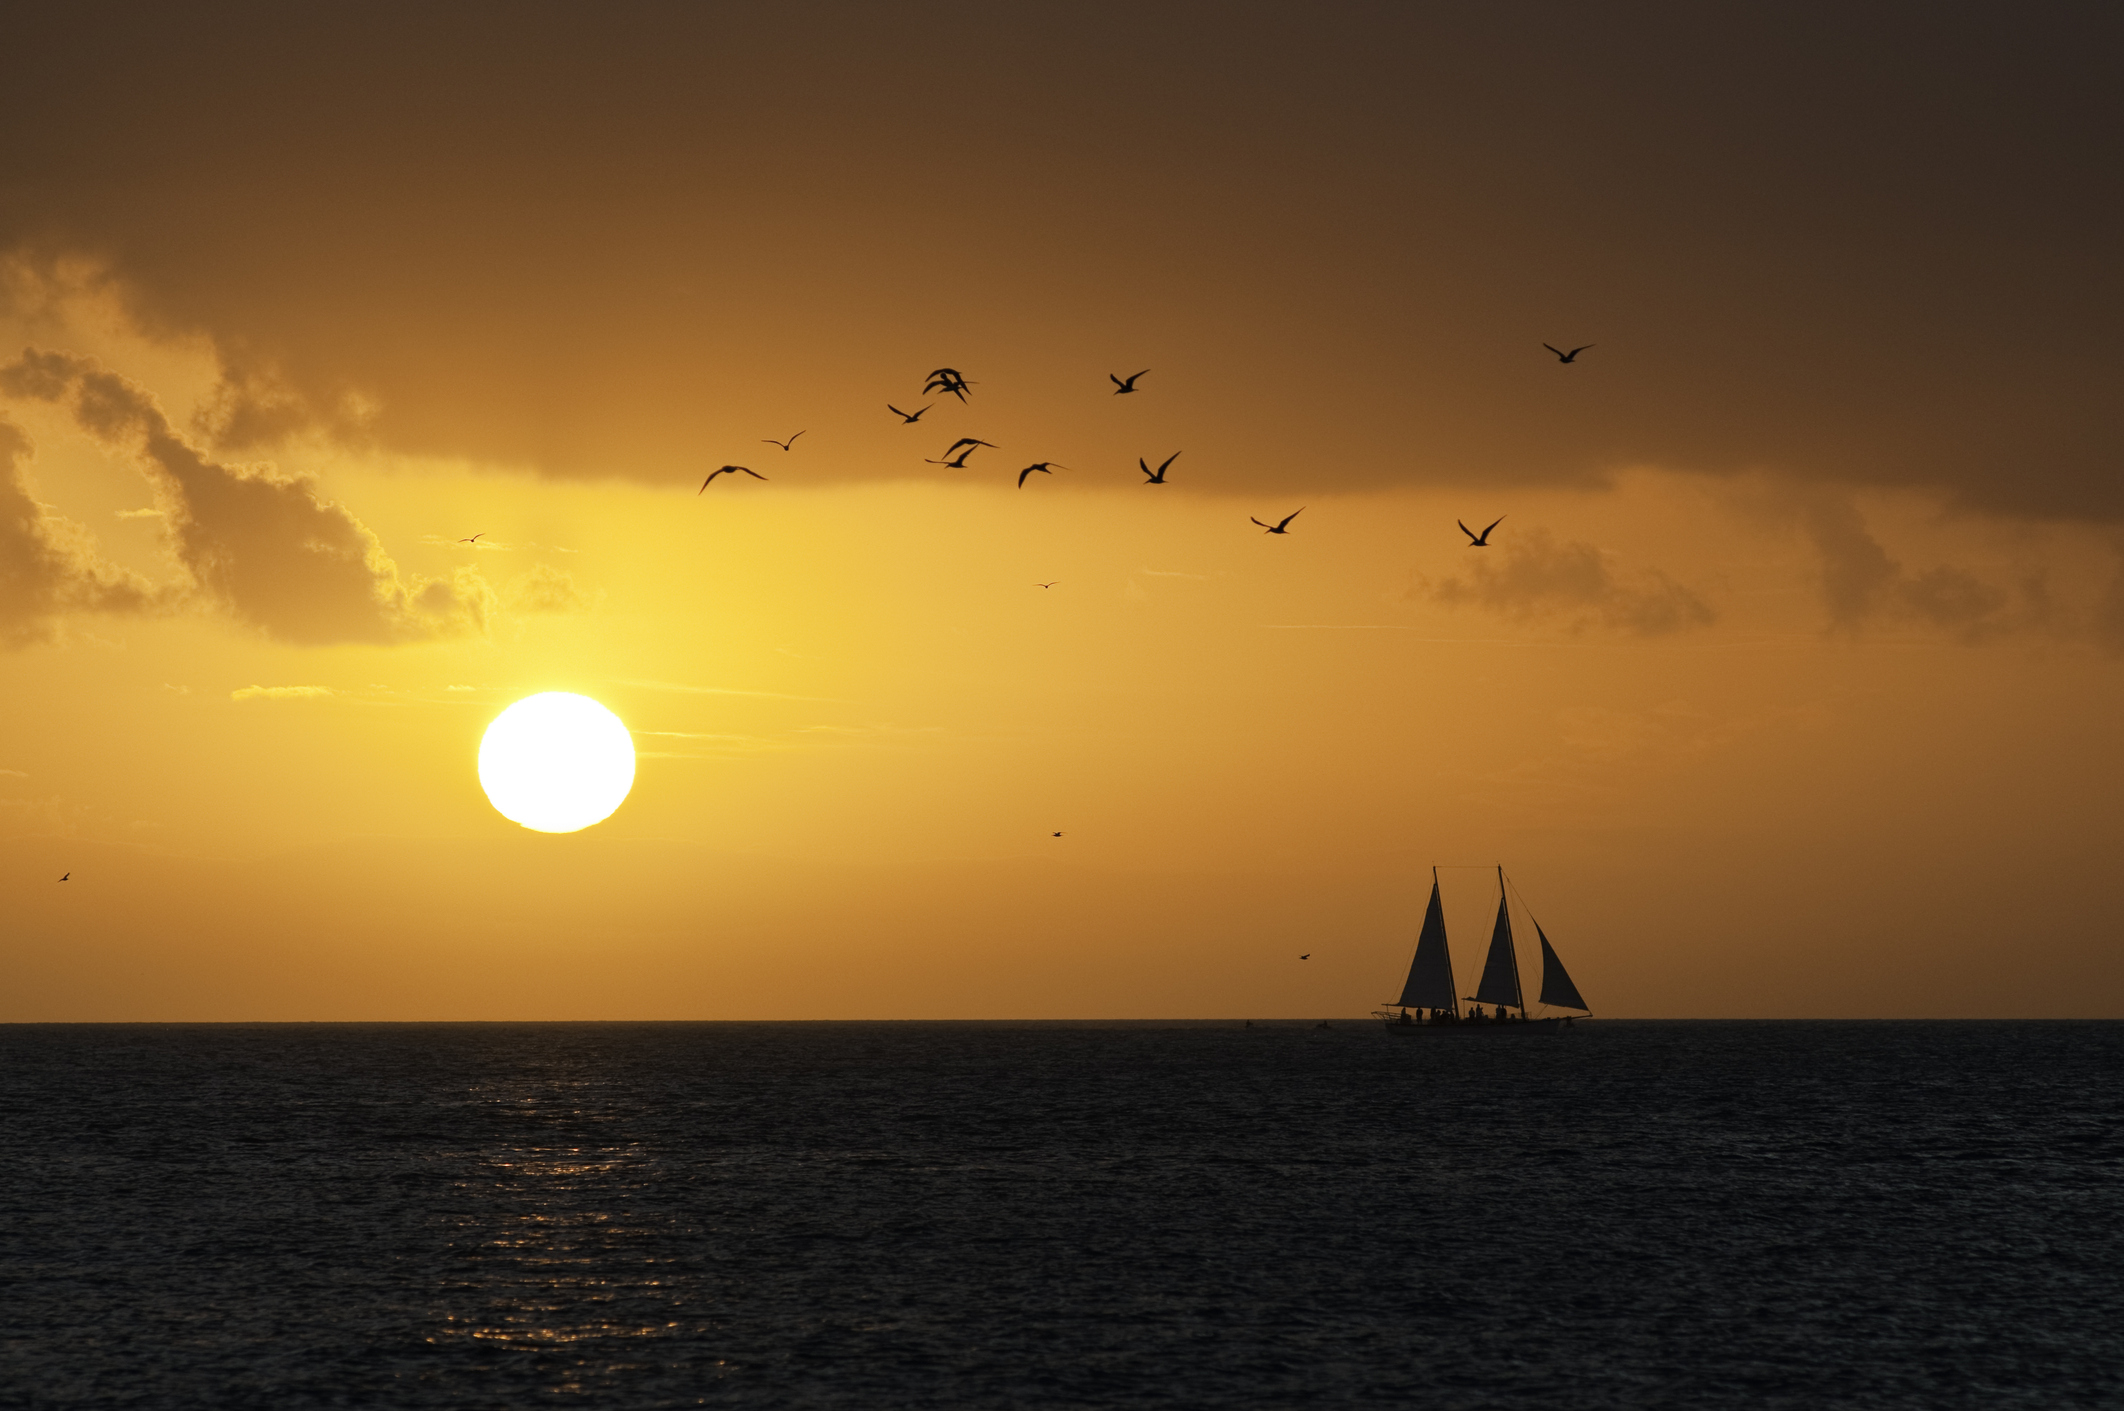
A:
(1430, 988)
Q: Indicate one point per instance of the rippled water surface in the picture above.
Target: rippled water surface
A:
(889, 1215)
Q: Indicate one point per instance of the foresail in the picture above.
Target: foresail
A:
(1430, 983)
(1556, 986)
(1500, 973)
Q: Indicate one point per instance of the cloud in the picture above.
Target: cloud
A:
(713, 690)
(544, 589)
(280, 693)
(1862, 583)
(1535, 578)
(48, 565)
(260, 543)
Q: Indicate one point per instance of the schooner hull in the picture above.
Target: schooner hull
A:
(1530, 1026)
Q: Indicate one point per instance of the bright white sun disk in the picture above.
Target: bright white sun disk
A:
(556, 762)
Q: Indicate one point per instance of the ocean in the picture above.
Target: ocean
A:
(882, 1215)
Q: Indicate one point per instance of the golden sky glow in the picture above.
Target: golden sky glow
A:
(1787, 686)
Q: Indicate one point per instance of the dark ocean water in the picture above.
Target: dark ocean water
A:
(897, 1215)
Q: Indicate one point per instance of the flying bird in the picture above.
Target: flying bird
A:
(1046, 585)
(1482, 540)
(1564, 357)
(475, 538)
(69, 874)
(729, 470)
(909, 417)
(1120, 386)
(948, 379)
(785, 445)
(1307, 956)
(1278, 527)
(1044, 467)
(1058, 835)
(1159, 477)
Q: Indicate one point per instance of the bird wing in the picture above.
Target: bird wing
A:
(749, 471)
(1264, 526)
(1292, 515)
(1554, 349)
(1115, 380)
(1025, 472)
(1491, 525)
(791, 441)
(1167, 461)
(1580, 349)
(1464, 528)
(1132, 380)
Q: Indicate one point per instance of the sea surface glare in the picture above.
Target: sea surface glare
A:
(993, 1215)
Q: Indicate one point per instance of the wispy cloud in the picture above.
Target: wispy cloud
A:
(280, 693)
(1538, 578)
(712, 690)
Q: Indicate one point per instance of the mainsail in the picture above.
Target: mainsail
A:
(1500, 973)
(1430, 983)
(1556, 986)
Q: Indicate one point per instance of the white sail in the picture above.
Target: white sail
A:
(1430, 983)
(1500, 972)
(1556, 986)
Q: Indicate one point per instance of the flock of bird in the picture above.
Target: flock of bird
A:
(948, 381)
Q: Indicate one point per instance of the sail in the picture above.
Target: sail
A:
(1500, 973)
(1556, 986)
(1430, 983)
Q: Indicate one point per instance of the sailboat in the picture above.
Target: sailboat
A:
(1430, 990)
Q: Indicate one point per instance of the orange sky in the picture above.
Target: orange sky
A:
(1787, 686)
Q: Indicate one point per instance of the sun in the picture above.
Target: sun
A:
(556, 762)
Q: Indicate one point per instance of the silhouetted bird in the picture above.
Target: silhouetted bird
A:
(729, 470)
(1046, 585)
(1044, 467)
(1058, 835)
(948, 379)
(1120, 386)
(71, 874)
(909, 417)
(1159, 477)
(785, 445)
(1482, 540)
(475, 538)
(1307, 956)
(1564, 357)
(1278, 527)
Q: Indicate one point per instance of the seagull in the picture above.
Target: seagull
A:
(1159, 478)
(730, 469)
(1120, 386)
(909, 417)
(1044, 467)
(785, 445)
(69, 874)
(1058, 835)
(1046, 585)
(948, 379)
(1564, 357)
(1307, 956)
(475, 538)
(1278, 527)
(1482, 540)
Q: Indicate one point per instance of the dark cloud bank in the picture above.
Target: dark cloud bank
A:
(1871, 244)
